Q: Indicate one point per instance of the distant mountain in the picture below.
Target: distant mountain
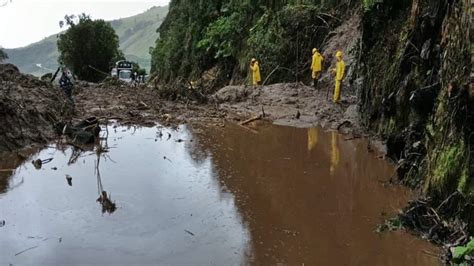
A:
(137, 34)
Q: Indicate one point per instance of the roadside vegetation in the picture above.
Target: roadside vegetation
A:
(225, 35)
(89, 47)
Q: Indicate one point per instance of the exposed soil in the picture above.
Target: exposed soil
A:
(292, 105)
(28, 109)
(281, 104)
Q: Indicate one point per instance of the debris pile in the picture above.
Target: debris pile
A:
(28, 109)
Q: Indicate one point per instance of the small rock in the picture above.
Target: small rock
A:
(69, 180)
(37, 163)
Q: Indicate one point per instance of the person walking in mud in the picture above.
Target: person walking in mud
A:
(316, 67)
(65, 83)
(339, 72)
(255, 67)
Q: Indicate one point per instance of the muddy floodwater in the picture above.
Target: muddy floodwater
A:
(209, 196)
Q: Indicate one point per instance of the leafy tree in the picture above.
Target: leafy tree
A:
(3, 55)
(226, 34)
(88, 47)
(136, 68)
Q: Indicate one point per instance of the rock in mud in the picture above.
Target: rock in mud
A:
(232, 94)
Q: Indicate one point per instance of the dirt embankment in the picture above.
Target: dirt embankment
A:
(28, 109)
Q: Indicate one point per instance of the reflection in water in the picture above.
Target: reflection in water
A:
(172, 212)
(75, 154)
(226, 196)
(334, 152)
(312, 138)
(104, 199)
(69, 180)
(316, 207)
(9, 162)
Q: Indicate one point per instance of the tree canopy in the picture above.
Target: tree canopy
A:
(88, 47)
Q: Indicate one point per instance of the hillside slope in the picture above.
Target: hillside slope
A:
(137, 34)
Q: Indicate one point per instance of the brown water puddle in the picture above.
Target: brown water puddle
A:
(226, 196)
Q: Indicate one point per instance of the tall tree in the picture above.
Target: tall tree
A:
(88, 47)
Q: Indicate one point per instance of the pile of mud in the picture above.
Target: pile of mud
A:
(29, 108)
(10, 73)
(293, 104)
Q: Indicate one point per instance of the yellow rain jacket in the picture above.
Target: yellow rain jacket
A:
(317, 64)
(340, 72)
(255, 73)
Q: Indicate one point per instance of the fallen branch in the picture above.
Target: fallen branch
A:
(255, 118)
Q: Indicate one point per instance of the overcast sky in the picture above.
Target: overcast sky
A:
(23, 22)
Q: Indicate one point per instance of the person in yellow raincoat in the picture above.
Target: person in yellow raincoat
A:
(339, 71)
(254, 66)
(316, 66)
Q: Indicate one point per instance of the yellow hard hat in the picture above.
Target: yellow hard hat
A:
(339, 54)
(315, 50)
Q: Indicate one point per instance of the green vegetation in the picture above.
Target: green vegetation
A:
(136, 35)
(87, 46)
(140, 71)
(227, 34)
(415, 93)
(460, 253)
(368, 4)
(448, 166)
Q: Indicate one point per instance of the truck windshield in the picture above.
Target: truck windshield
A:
(125, 74)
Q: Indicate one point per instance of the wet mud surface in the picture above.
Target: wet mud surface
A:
(206, 196)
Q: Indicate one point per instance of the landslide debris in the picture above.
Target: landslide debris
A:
(29, 108)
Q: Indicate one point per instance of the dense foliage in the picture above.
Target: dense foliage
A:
(420, 100)
(88, 47)
(196, 37)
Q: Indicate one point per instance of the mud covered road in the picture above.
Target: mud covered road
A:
(205, 196)
(30, 107)
(284, 104)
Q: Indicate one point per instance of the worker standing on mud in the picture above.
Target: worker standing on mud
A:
(316, 67)
(339, 71)
(65, 83)
(254, 66)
